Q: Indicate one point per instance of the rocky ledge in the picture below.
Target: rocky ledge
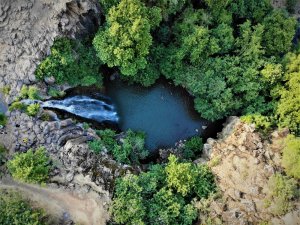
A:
(243, 162)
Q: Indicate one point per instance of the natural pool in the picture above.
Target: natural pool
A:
(164, 112)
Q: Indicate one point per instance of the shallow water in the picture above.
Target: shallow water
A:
(165, 113)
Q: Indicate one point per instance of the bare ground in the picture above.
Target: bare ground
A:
(86, 209)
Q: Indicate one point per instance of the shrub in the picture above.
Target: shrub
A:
(17, 106)
(291, 156)
(192, 147)
(281, 192)
(30, 92)
(130, 149)
(262, 123)
(55, 93)
(3, 119)
(32, 166)
(5, 90)
(15, 210)
(71, 62)
(96, 146)
(33, 109)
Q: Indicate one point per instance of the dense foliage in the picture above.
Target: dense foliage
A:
(127, 149)
(281, 191)
(31, 166)
(3, 119)
(226, 53)
(71, 62)
(14, 210)
(27, 93)
(291, 156)
(126, 38)
(163, 195)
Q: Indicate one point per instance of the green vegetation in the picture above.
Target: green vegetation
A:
(128, 149)
(281, 191)
(262, 123)
(16, 210)
(55, 93)
(33, 109)
(163, 195)
(126, 39)
(29, 92)
(71, 62)
(32, 166)
(291, 156)
(5, 90)
(192, 147)
(3, 119)
(288, 108)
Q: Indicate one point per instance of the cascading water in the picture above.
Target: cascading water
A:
(82, 106)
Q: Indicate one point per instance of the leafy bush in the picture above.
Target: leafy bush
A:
(71, 62)
(3, 119)
(17, 106)
(163, 195)
(282, 190)
(30, 92)
(291, 156)
(55, 93)
(5, 90)
(262, 123)
(33, 109)
(32, 166)
(15, 210)
(130, 149)
(192, 147)
(96, 145)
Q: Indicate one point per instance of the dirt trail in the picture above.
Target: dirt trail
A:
(86, 209)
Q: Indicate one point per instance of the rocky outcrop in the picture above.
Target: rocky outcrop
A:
(28, 29)
(243, 161)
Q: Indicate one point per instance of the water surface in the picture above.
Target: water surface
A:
(165, 113)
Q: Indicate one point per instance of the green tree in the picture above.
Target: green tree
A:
(251, 9)
(126, 38)
(291, 156)
(32, 166)
(279, 32)
(128, 206)
(167, 7)
(288, 108)
(180, 176)
(15, 210)
(71, 62)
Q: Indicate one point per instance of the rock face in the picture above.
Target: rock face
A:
(28, 29)
(243, 162)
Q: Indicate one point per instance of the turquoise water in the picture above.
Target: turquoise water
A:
(165, 113)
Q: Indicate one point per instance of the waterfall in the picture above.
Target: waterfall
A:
(82, 106)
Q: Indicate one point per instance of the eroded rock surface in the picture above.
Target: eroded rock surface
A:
(28, 29)
(243, 163)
